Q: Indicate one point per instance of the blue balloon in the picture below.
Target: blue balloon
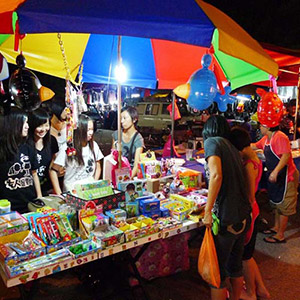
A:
(203, 85)
(223, 100)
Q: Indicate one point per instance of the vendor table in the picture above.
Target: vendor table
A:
(73, 262)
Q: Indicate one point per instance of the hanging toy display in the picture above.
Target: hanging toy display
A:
(201, 88)
(223, 100)
(269, 108)
(25, 88)
(70, 125)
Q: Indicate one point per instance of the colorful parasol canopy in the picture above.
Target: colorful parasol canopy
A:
(197, 23)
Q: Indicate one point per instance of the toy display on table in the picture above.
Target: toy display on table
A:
(199, 197)
(168, 223)
(93, 190)
(150, 207)
(109, 235)
(12, 222)
(89, 218)
(20, 246)
(132, 188)
(131, 232)
(54, 229)
(111, 168)
(84, 247)
(189, 178)
(38, 262)
(122, 175)
(109, 201)
(116, 215)
(148, 166)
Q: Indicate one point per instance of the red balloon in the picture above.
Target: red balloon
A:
(269, 109)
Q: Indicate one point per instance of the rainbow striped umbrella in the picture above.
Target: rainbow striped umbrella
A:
(162, 44)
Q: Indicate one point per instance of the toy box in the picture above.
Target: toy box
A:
(132, 189)
(109, 235)
(131, 232)
(23, 247)
(93, 190)
(12, 222)
(84, 247)
(38, 262)
(54, 229)
(132, 209)
(149, 205)
(190, 178)
(89, 218)
(108, 202)
(116, 215)
(146, 226)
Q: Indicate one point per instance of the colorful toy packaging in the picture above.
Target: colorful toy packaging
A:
(54, 229)
(93, 190)
(20, 246)
(132, 189)
(12, 222)
(84, 247)
(108, 202)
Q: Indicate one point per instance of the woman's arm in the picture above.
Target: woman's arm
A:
(37, 183)
(215, 182)
(251, 176)
(53, 173)
(98, 170)
(113, 146)
(137, 154)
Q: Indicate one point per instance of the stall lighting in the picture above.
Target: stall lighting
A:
(121, 73)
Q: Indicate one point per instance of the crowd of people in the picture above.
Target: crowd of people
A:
(34, 163)
(234, 171)
(33, 157)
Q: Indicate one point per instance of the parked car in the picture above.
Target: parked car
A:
(95, 115)
(155, 121)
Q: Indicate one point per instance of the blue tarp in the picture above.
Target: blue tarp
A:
(176, 20)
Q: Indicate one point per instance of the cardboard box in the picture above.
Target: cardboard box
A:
(15, 259)
(108, 202)
(12, 222)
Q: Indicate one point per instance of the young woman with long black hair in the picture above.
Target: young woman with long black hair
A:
(45, 145)
(19, 182)
(85, 164)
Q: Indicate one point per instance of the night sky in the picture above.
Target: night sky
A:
(269, 21)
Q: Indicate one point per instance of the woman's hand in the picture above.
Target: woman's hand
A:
(207, 220)
(273, 176)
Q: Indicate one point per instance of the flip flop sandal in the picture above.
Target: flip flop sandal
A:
(274, 240)
(269, 231)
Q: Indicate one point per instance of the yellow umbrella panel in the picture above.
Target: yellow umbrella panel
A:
(43, 52)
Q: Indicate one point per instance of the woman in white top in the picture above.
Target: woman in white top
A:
(85, 164)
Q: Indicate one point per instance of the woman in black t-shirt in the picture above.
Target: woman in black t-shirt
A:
(228, 199)
(43, 144)
(19, 181)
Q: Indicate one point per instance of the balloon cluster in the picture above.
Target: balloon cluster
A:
(201, 89)
(269, 108)
(24, 86)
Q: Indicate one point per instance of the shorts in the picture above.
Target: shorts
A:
(288, 206)
(230, 248)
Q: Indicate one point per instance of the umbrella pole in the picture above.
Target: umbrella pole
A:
(119, 108)
(172, 123)
(297, 106)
